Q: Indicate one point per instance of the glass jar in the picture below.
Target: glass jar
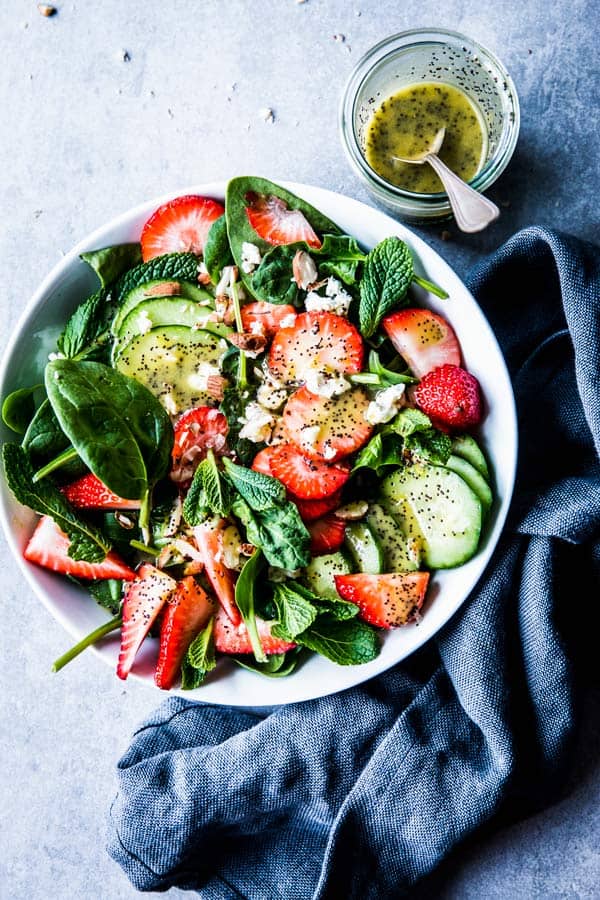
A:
(429, 55)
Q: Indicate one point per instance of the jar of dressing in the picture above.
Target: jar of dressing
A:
(401, 92)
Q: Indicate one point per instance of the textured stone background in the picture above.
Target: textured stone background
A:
(86, 134)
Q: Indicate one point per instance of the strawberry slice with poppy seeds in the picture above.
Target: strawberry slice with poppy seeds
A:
(326, 535)
(262, 461)
(273, 221)
(186, 614)
(386, 601)
(451, 397)
(197, 430)
(179, 226)
(308, 479)
(423, 339)
(311, 510)
(209, 539)
(327, 428)
(317, 341)
(89, 492)
(230, 638)
(49, 547)
(143, 601)
(265, 318)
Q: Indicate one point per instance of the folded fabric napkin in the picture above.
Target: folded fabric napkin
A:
(359, 795)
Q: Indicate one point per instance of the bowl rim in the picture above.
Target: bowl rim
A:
(432, 202)
(427, 629)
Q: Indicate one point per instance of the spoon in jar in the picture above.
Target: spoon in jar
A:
(472, 211)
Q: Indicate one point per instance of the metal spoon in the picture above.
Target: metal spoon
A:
(472, 211)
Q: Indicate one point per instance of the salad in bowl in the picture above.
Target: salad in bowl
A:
(255, 440)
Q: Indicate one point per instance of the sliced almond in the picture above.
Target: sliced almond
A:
(250, 343)
(164, 289)
(215, 386)
(304, 269)
(46, 10)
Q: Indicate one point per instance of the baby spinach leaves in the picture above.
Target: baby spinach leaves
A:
(19, 407)
(110, 262)
(217, 252)
(388, 273)
(339, 255)
(272, 281)
(232, 406)
(87, 543)
(244, 598)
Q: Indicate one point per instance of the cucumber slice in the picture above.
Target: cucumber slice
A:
(474, 479)
(364, 548)
(165, 311)
(166, 361)
(466, 446)
(150, 290)
(399, 539)
(447, 511)
(318, 574)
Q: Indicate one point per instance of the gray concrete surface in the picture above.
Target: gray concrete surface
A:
(108, 103)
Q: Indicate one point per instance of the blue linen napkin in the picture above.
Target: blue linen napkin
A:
(359, 795)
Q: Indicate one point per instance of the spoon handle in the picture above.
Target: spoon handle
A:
(472, 211)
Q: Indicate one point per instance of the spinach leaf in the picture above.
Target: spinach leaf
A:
(295, 612)
(339, 255)
(278, 531)
(260, 491)
(170, 266)
(371, 454)
(347, 643)
(18, 408)
(244, 598)
(199, 659)
(217, 252)
(118, 428)
(45, 439)
(110, 262)
(107, 593)
(386, 278)
(273, 279)
(333, 606)
(209, 493)
(87, 542)
(277, 665)
(387, 376)
(232, 406)
(88, 329)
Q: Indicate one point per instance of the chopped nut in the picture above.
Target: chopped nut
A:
(195, 567)
(164, 289)
(123, 520)
(304, 269)
(46, 10)
(215, 386)
(247, 549)
(352, 511)
(250, 343)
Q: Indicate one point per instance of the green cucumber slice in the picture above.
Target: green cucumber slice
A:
(318, 575)
(466, 446)
(166, 361)
(364, 548)
(165, 311)
(448, 513)
(398, 537)
(474, 479)
(150, 290)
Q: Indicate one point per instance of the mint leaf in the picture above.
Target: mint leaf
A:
(217, 252)
(199, 659)
(88, 328)
(209, 493)
(278, 531)
(410, 420)
(347, 643)
(110, 262)
(107, 593)
(87, 543)
(431, 446)
(177, 266)
(386, 278)
(371, 454)
(260, 491)
(295, 612)
(333, 606)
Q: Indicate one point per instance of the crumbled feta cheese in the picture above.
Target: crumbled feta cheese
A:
(326, 384)
(288, 321)
(257, 423)
(231, 545)
(198, 380)
(336, 299)
(311, 434)
(271, 398)
(251, 257)
(169, 404)
(329, 452)
(385, 405)
(144, 322)
(257, 327)
(278, 575)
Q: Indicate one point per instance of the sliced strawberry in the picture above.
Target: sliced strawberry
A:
(262, 461)
(209, 538)
(327, 428)
(276, 223)
(89, 492)
(308, 479)
(49, 547)
(196, 431)
(144, 598)
(266, 315)
(451, 396)
(423, 339)
(326, 535)
(321, 341)
(186, 614)
(230, 638)
(179, 226)
(311, 510)
(385, 600)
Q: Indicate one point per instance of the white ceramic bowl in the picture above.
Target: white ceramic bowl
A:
(35, 336)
